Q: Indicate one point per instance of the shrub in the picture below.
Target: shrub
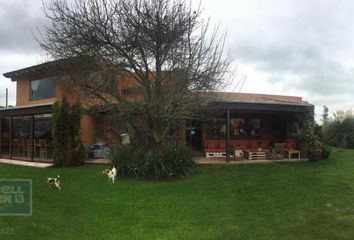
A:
(339, 132)
(326, 152)
(67, 147)
(172, 161)
(127, 159)
(79, 155)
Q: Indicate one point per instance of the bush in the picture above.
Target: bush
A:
(67, 146)
(172, 161)
(80, 156)
(326, 152)
(339, 132)
(127, 159)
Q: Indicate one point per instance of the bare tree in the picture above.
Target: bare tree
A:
(163, 46)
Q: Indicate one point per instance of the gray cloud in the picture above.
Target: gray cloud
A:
(18, 20)
(305, 46)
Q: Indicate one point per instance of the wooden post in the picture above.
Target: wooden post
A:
(32, 138)
(11, 134)
(227, 135)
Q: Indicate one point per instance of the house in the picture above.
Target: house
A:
(26, 129)
(236, 120)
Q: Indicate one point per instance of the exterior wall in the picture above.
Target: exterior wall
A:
(23, 90)
(88, 131)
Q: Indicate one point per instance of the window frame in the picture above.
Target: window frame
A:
(42, 79)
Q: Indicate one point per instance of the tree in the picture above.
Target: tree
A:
(163, 46)
(339, 131)
(67, 147)
(325, 114)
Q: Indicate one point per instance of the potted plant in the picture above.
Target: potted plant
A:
(310, 144)
(302, 138)
(315, 148)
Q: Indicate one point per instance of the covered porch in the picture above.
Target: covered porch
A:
(252, 127)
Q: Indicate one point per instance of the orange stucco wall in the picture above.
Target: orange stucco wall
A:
(23, 90)
(88, 124)
(88, 131)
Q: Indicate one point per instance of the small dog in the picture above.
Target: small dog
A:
(54, 181)
(111, 174)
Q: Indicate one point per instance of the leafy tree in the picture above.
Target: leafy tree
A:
(163, 47)
(325, 114)
(339, 132)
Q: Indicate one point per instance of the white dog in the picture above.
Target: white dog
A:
(54, 181)
(111, 174)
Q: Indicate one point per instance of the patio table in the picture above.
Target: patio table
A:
(291, 152)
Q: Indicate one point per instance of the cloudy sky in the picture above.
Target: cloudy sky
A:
(292, 47)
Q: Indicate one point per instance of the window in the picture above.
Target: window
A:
(238, 126)
(255, 127)
(43, 88)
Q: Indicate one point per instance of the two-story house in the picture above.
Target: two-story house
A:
(26, 129)
(239, 120)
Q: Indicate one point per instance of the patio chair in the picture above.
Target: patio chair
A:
(16, 147)
(42, 144)
(27, 147)
(277, 151)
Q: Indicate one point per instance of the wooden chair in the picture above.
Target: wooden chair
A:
(16, 147)
(27, 146)
(42, 143)
(238, 155)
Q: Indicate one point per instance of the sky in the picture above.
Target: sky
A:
(287, 47)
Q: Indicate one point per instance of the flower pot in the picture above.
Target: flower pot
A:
(315, 155)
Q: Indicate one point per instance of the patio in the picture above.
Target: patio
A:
(221, 161)
(257, 126)
(26, 163)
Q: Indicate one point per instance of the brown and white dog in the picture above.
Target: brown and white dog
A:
(111, 174)
(54, 181)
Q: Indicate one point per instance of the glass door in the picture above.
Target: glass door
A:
(43, 137)
(21, 138)
(5, 137)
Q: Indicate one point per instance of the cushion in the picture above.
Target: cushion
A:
(222, 145)
(210, 145)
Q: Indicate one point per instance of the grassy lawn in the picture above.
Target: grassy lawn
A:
(265, 201)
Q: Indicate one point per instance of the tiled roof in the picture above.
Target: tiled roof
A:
(38, 67)
(47, 66)
(258, 98)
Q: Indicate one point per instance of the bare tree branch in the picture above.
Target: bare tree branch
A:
(162, 47)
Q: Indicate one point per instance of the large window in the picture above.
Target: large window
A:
(238, 127)
(43, 88)
(21, 137)
(42, 137)
(5, 136)
(27, 137)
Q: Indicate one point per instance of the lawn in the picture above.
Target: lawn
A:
(265, 201)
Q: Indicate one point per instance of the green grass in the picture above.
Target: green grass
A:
(266, 201)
